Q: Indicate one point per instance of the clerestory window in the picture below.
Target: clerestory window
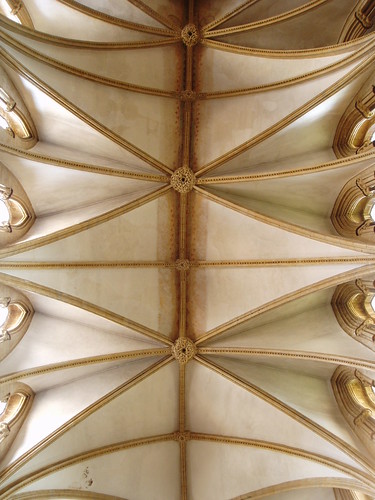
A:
(13, 314)
(354, 306)
(14, 407)
(355, 396)
(16, 11)
(11, 118)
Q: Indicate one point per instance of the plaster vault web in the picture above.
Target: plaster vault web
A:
(182, 260)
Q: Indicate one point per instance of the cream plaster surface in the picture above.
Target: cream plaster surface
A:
(248, 238)
(56, 125)
(147, 234)
(222, 294)
(53, 340)
(266, 110)
(130, 473)
(307, 141)
(263, 10)
(149, 122)
(246, 415)
(158, 67)
(123, 413)
(251, 71)
(299, 31)
(61, 20)
(222, 471)
(315, 331)
(307, 393)
(56, 403)
(124, 10)
(59, 221)
(147, 296)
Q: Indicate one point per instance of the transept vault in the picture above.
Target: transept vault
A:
(187, 256)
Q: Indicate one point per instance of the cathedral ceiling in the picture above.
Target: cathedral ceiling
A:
(182, 260)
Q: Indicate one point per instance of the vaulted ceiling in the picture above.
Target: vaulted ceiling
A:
(182, 261)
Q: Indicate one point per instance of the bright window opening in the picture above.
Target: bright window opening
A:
(3, 123)
(3, 315)
(373, 303)
(372, 212)
(4, 212)
(7, 10)
(3, 405)
(373, 137)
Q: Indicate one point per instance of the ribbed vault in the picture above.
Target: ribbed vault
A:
(182, 260)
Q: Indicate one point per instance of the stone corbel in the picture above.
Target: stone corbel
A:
(366, 112)
(367, 323)
(4, 431)
(365, 190)
(364, 20)
(365, 225)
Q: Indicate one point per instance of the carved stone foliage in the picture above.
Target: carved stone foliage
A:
(183, 180)
(356, 400)
(351, 304)
(357, 125)
(360, 21)
(15, 404)
(352, 214)
(183, 350)
(190, 35)
(18, 313)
